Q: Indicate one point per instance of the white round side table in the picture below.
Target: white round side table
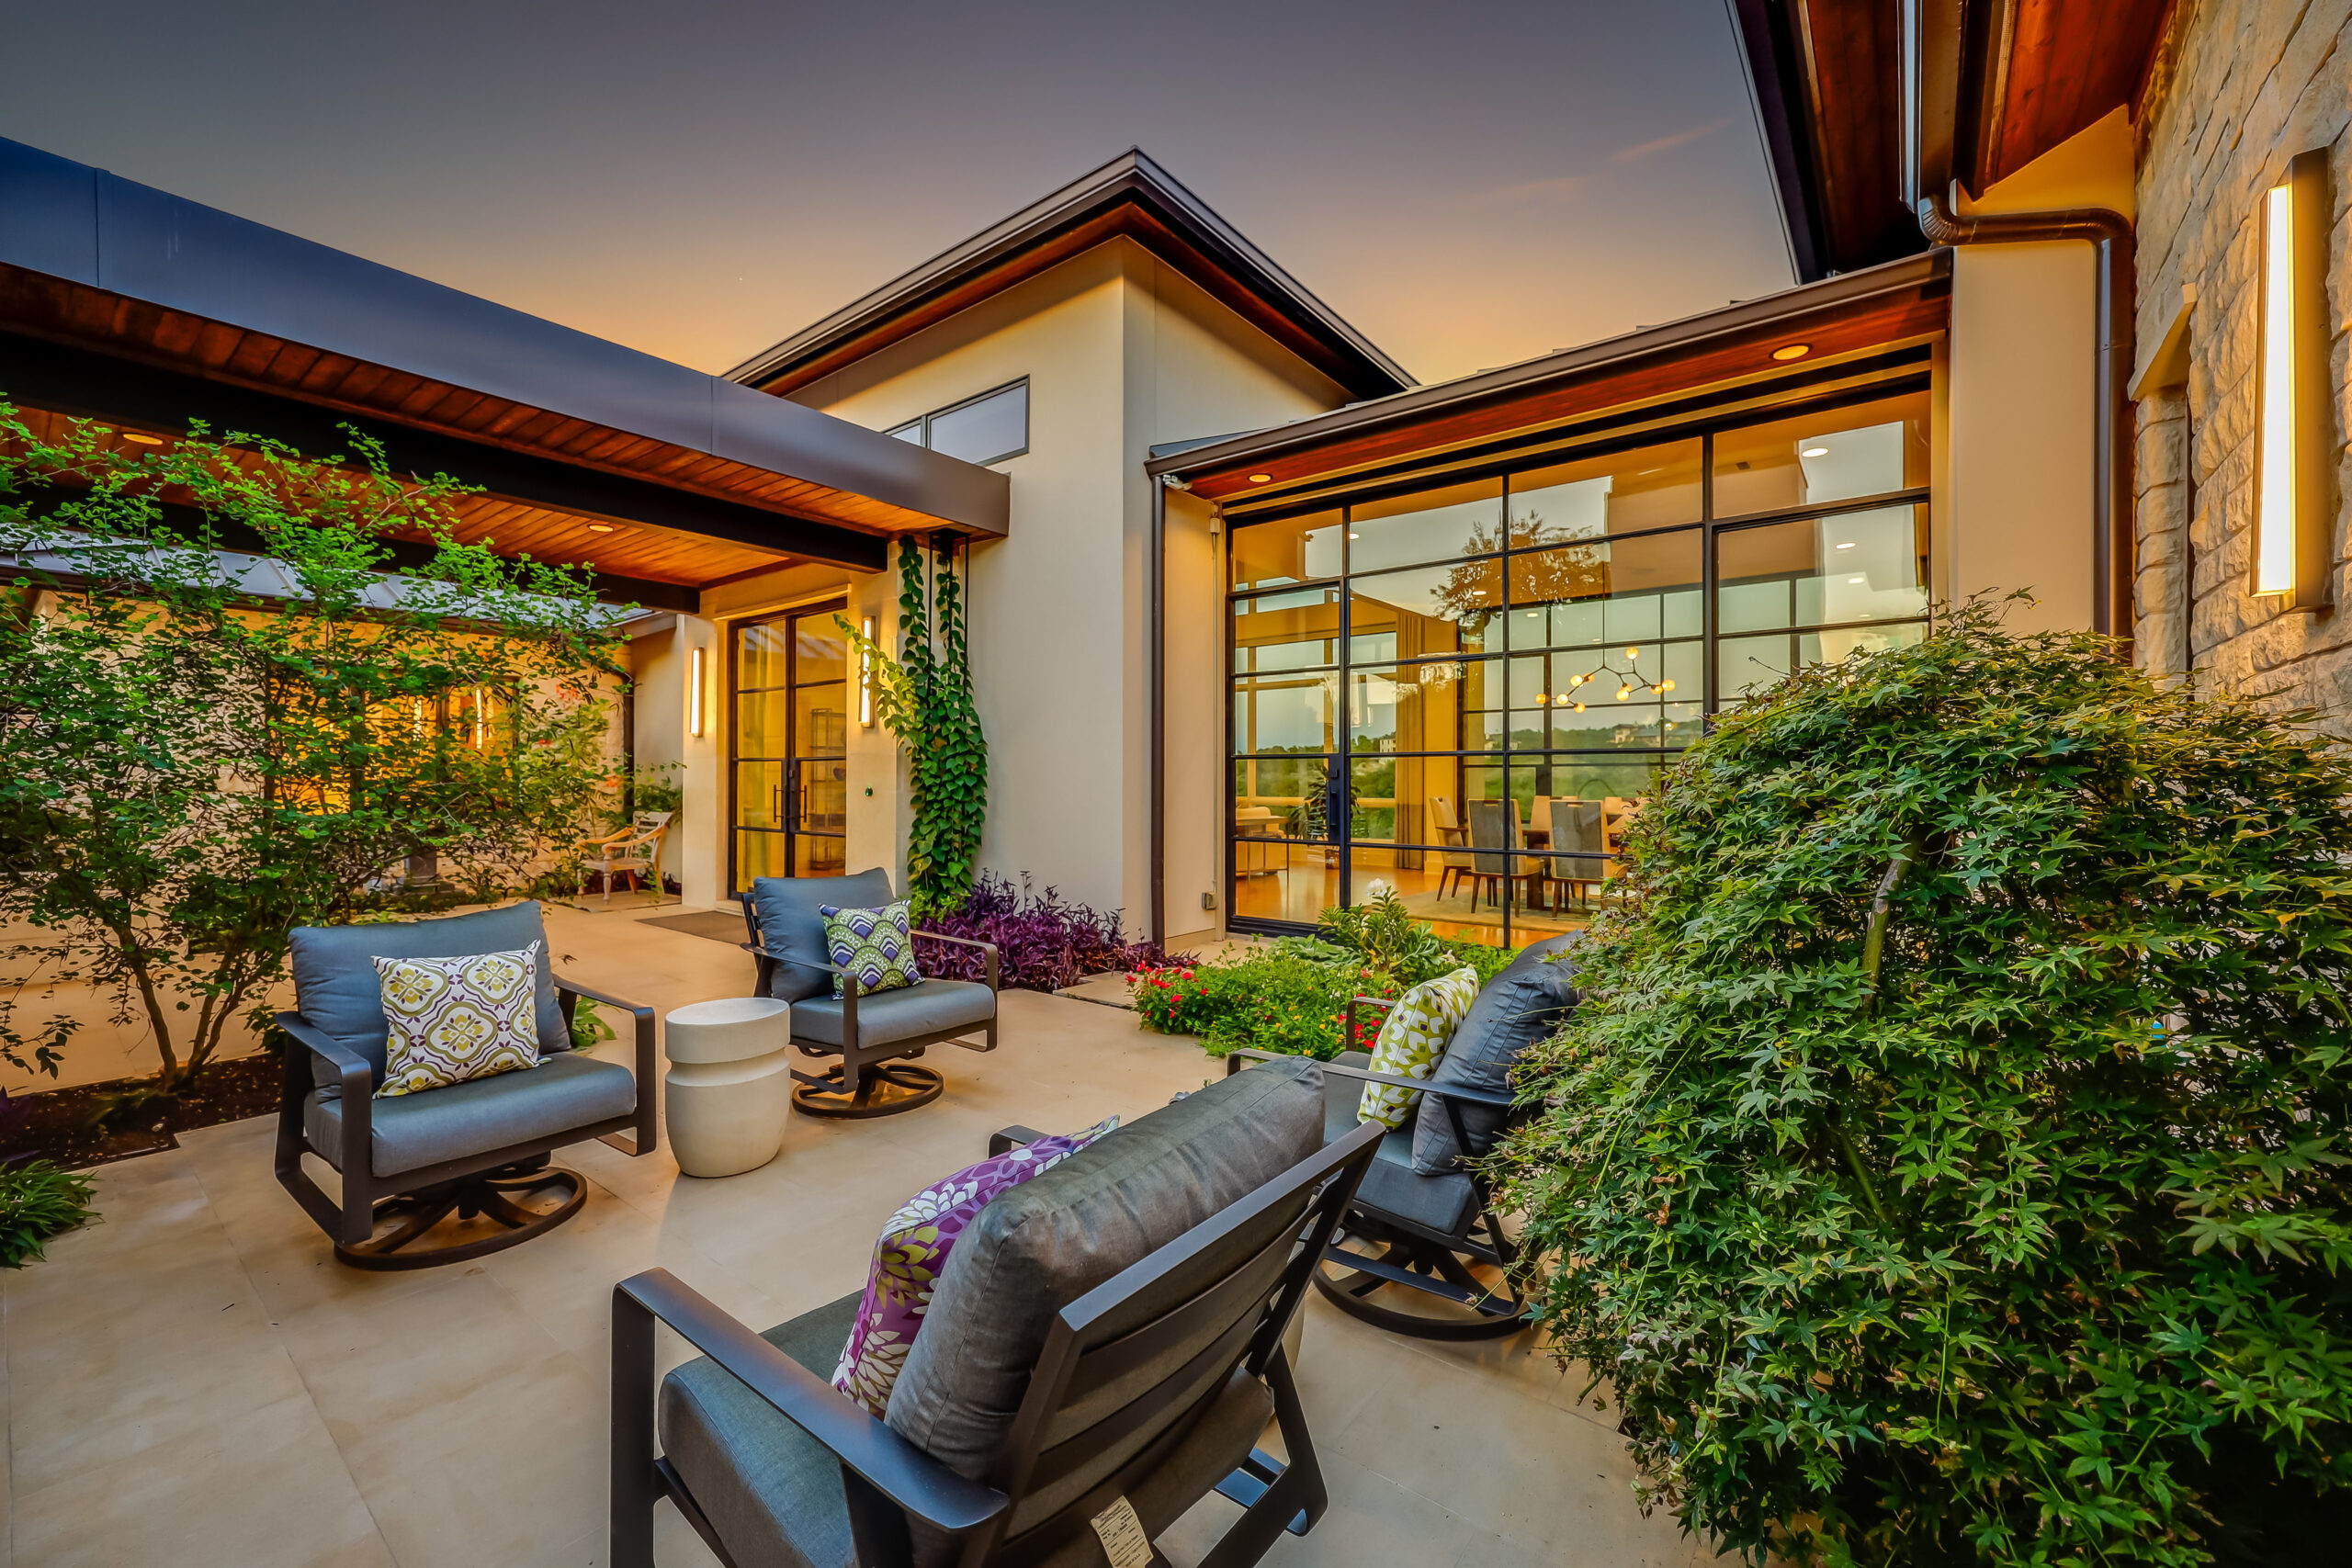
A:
(730, 1085)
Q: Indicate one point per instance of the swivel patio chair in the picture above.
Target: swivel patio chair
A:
(409, 1160)
(1108, 1331)
(1429, 1215)
(876, 1036)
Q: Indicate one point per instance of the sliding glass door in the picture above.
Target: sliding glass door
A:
(1461, 692)
(790, 746)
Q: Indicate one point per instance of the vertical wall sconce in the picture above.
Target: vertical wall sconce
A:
(2293, 536)
(865, 678)
(694, 691)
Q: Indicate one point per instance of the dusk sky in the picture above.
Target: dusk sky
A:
(1469, 184)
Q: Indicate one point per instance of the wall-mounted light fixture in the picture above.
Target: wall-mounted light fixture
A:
(866, 677)
(694, 691)
(2293, 536)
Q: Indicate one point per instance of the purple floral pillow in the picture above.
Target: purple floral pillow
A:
(913, 1252)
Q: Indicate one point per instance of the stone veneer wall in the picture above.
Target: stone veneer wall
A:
(2242, 88)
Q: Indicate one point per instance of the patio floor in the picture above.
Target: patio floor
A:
(193, 1380)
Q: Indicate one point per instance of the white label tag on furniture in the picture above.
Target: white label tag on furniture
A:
(1122, 1535)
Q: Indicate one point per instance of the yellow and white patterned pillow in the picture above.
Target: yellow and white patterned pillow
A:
(1412, 1039)
(454, 1019)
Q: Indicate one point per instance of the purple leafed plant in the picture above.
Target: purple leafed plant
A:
(1044, 940)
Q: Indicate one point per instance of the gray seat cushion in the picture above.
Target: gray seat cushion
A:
(774, 1494)
(790, 927)
(1524, 1003)
(338, 992)
(924, 1008)
(1043, 1245)
(411, 1131)
(1391, 1186)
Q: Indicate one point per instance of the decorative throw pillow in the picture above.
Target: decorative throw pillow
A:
(1412, 1039)
(876, 945)
(913, 1253)
(454, 1019)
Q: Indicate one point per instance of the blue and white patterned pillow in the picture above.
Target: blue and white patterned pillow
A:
(876, 945)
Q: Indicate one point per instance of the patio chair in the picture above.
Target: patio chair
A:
(471, 1147)
(1110, 1331)
(1431, 1216)
(875, 1037)
(634, 852)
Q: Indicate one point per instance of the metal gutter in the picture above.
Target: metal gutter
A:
(1904, 276)
(1933, 59)
(1132, 178)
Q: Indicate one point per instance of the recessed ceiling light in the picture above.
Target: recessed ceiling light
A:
(1814, 452)
(1352, 536)
(1793, 351)
(1846, 544)
(143, 438)
(1858, 579)
(600, 527)
(1260, 478)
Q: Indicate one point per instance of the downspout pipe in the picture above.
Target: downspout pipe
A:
(2110, 237)
(1934, 49)
(1156, 591)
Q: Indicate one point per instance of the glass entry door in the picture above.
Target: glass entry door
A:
(790, 746)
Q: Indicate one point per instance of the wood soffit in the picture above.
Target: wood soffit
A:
(1845, 319)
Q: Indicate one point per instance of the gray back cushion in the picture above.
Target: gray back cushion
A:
(791, 928)
(337, 991)
(1047, 1242)
(1518, 1007)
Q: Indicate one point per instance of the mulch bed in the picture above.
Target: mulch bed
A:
(55, 1123)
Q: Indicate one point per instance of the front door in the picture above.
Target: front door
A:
(790, 746)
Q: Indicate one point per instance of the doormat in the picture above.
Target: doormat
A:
(718, 925)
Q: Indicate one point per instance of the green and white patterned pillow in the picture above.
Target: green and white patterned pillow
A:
(1412, 1039)
(449, 1019)
(876, 945)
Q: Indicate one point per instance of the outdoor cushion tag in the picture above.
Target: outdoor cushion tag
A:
(1123, 1537)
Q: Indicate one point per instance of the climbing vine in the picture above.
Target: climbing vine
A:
(925, 696)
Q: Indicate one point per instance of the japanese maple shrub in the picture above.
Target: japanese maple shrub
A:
(1948, 1161)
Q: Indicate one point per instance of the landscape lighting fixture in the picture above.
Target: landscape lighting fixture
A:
(694, 691)
(866, 677)
(2293, 439)
(1788, 351)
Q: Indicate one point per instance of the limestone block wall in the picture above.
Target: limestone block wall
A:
(2244, 85)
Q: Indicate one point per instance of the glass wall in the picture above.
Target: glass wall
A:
(1463, 691)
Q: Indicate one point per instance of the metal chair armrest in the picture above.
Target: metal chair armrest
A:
(908, 1477)
(357, 1077)
(648, 1066)
(988, 948)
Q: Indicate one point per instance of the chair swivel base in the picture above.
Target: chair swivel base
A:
(1476, 1311)
(885, 1091)
(412, 1214)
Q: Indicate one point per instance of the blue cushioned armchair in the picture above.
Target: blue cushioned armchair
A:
(408, 1161)
(1422, 1205)
(876, 1036)
(1111, 1330)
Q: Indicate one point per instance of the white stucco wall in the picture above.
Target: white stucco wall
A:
(1121, 353)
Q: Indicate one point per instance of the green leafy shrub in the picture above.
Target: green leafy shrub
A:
(1948, 1162)
(37, 1201)
(1293, 996)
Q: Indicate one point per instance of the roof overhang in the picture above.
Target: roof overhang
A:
(1840, 320)
(135, 293)
(2003, 81)
(1129, 197)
